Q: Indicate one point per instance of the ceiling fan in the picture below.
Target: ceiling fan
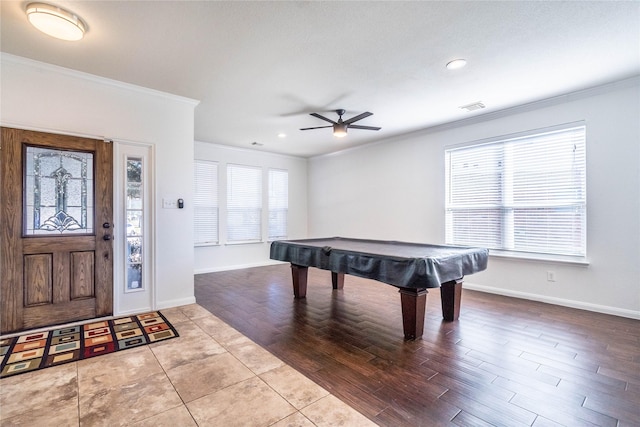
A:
(340, 127)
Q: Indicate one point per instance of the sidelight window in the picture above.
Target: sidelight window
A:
(134, 214)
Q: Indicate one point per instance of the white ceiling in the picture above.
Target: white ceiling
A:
(259, 68)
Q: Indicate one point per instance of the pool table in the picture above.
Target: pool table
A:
(411, 267)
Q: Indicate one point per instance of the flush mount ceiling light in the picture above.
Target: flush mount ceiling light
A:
(456, 64)
(56, 22)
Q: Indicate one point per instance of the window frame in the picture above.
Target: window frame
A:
(271, 190)
(214, 203)
(506, 231)
(259, 207)
(135, 237)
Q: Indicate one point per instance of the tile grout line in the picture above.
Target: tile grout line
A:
(256, 375)
(171, 382)
(78, 389)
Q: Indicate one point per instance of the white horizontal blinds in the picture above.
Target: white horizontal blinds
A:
(474, 196)
(549, 193)
(244, 203)
(278, 203)
(526, 193)
(205, 202)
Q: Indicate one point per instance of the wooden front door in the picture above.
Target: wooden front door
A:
(56, 255)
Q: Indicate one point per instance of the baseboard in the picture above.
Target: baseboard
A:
(235, 267)
(175, 302)
(134, 311)
(556, 301)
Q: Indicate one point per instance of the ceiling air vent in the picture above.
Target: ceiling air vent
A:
(473, 106)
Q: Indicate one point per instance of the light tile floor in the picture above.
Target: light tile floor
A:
(211, 375)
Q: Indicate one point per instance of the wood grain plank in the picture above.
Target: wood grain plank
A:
(104, 213)
(559, 412)
(61, 275)
(59, 313)
(11, 257)
(38, 279)
(495, 412)
(82, 275)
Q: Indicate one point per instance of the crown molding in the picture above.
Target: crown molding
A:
(248, 150)
(626, 83)
(7, 58)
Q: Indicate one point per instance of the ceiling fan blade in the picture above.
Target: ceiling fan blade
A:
(358, 117)
(322, 118)
(364, 127)
(317, 127)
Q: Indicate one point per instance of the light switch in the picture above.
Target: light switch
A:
(169, 203)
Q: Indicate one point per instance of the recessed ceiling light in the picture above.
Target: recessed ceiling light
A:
(282, 135)
(456, 64)
(55, 21)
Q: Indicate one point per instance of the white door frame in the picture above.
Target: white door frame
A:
(140, 300)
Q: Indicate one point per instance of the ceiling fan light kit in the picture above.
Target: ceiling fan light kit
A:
(339, 130)
(340, 127)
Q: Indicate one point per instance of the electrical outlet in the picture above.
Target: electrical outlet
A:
(551, 276)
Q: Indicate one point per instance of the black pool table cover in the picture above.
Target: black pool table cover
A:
(401, 264)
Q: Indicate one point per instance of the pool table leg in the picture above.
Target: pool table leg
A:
(337, 280)
(414, 302)
(299, 274)
(450, 294)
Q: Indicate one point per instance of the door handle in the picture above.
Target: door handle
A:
(106, 237)
(106, 225)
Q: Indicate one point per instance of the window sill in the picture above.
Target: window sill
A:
(244, 242)
(204, 245)
(560, 259)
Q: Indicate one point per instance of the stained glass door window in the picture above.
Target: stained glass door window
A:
(59, 192)
(134, 214)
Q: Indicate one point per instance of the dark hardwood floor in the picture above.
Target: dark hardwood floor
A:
(506, 362)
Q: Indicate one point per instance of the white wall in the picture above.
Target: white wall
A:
(46, 98)
(225, 256)
(395, 190)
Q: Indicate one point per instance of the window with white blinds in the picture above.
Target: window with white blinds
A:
(524, 193)
(205, 202)
(278, 203)
(244, 203)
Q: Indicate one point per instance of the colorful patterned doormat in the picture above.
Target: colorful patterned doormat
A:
(39, 350)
